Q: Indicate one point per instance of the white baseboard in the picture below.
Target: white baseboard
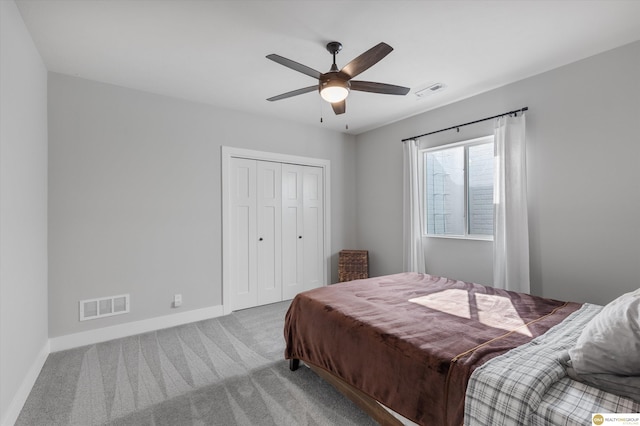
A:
(21, 396)
(90, 337)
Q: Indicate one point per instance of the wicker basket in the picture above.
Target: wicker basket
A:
(353, 265)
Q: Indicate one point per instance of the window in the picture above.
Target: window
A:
(458, 182)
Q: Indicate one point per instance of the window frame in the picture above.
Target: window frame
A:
(423, 191)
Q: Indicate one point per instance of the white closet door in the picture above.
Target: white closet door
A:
(302, 229)
(274, 232)
(269, 232)
(292, 242)
(242, 196)
(313, 227)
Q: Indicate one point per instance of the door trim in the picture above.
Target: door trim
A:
(227, 153)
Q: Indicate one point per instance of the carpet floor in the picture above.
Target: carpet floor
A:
(223, 371)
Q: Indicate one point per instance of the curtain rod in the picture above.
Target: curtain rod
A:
(466, 124)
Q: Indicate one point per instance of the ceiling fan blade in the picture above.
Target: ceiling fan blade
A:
(339, 107)
(387, 89)
(294, 93)
(295, 66)
(367, 59)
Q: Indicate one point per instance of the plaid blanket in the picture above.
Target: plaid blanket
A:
(529, 386)
(571, 403)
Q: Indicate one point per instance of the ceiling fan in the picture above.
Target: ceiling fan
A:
(334, 85)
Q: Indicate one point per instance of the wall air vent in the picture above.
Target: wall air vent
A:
(104, 307)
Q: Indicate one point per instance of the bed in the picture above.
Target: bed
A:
(433, 350)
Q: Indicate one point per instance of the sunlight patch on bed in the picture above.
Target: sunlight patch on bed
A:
(453, 302)
(494, 311)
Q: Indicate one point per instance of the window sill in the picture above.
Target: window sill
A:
(463, 237)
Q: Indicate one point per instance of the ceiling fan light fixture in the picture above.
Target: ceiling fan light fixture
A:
(334, 90)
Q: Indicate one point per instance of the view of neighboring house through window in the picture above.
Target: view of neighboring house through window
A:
(458, 189)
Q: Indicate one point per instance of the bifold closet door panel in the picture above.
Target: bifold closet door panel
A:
(244, 293)
(292, 242)
(269, 229)
(313, 227)
(302, 229)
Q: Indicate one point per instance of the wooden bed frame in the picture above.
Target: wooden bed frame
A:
(367, 404)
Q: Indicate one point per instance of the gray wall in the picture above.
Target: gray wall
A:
(583, 135)
(23, 210)
(135, 196)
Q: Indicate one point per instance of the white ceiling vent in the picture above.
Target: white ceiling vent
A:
(432, 88)
(104, 307)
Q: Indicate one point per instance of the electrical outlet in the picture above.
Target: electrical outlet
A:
(177, 300)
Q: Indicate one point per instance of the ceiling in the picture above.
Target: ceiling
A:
(214, 51)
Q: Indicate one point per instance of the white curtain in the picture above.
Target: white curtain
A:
(511, 228)
(413, 254)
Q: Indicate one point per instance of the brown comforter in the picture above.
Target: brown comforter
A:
(411, 341)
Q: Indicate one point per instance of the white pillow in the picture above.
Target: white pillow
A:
(610, 343)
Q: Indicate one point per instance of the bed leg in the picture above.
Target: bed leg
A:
(294, 364)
